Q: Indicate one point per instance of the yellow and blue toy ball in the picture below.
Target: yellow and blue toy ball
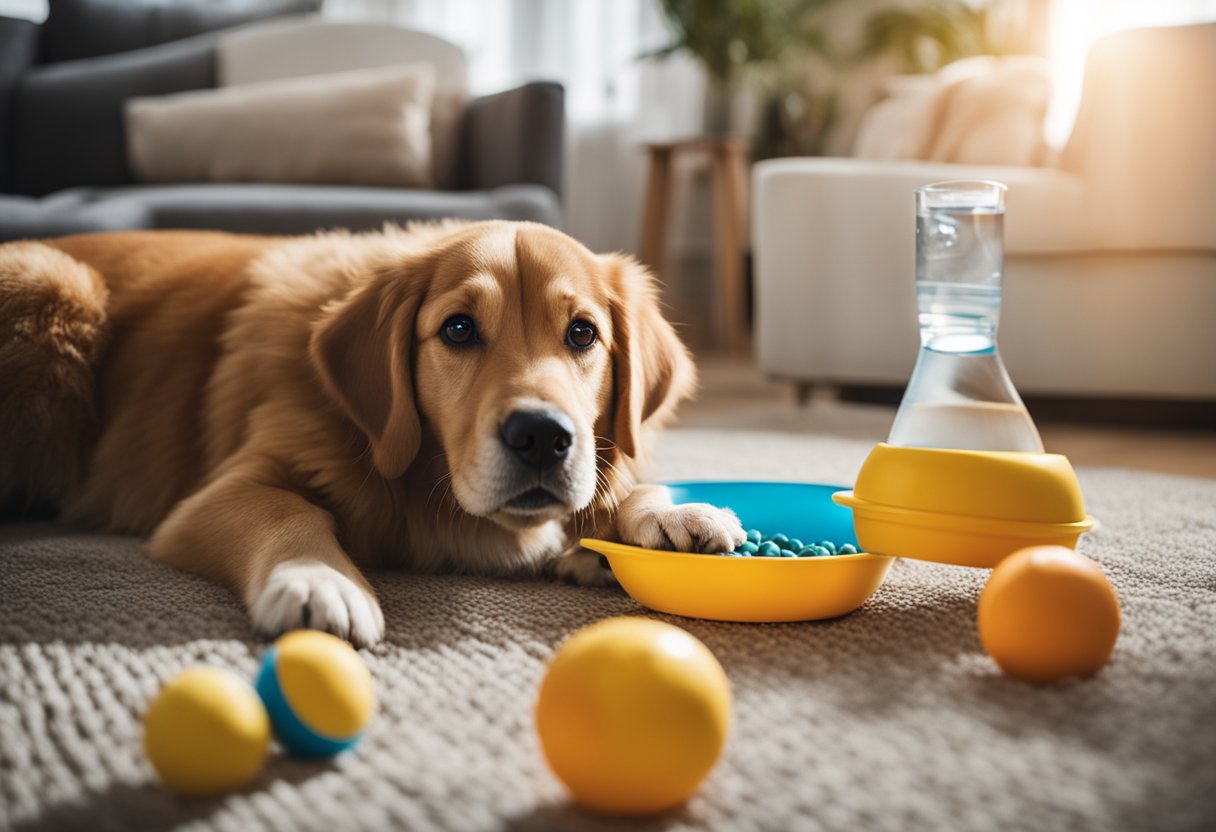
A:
(317, 691)
(206, 732)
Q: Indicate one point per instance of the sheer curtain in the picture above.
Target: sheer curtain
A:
(615, 102)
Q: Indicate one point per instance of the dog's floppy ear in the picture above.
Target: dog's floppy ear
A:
(363, 350)
(652, 371)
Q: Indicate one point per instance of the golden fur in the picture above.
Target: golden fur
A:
(273, 410)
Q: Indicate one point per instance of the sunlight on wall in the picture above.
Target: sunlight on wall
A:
(24, 9)
(614, 101)
(1076, 24)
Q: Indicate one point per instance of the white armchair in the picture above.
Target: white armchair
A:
(1110, 259)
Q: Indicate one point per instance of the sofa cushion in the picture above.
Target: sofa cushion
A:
(67, 212)
(302, 209)
(264, 209)
(361, 127)
(981, 110)
(77, 29)
(317, 46)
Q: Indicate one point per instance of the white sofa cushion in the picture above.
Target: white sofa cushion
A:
(983, 110)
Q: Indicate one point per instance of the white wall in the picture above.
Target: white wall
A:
(24, 9)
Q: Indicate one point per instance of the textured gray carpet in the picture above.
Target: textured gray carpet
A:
(890, 718)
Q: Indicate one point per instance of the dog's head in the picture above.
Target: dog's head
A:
(539, 366)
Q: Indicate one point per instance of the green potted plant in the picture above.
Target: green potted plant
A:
(731, 37)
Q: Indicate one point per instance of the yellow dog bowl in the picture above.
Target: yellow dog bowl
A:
(970, 508)
(754, 589)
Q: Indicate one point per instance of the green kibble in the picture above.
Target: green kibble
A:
(787, 553)
(796, 545)
(781, 540)
(754, 536)
(847, 549)
(829, 545)
(806, 552)
(822, 552)
(769, 549)
(748, 547)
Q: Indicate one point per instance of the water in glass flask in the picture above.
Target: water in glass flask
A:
(959, 261)
(960, 395)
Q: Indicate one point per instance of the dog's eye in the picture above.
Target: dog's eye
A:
(458, 331)
(581, 335)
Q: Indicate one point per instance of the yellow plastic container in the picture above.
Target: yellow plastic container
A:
(970, 508)
(744, 589)
(754, 588)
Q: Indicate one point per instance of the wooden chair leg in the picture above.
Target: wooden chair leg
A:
(738, 169)
(802, 392)
(728, 250)
(654, 215)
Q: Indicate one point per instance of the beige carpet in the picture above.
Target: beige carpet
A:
(889, 719)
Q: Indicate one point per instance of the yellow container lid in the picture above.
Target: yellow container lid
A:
(1004, 485)
(971, 508)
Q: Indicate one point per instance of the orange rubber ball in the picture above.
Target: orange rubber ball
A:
(1047, 613)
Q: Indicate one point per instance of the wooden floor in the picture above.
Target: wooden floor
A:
(735, 394)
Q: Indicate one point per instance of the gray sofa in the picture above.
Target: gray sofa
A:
(63, 164)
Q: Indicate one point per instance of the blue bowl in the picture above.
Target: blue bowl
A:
(801, 510)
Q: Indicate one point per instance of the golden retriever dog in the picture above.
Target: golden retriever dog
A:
(273, 411)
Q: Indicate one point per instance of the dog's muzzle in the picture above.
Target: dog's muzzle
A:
(539, 440)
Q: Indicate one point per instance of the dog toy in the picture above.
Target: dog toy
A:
(317, 691)
(632, 715)
(1047, 613)
(206, 732)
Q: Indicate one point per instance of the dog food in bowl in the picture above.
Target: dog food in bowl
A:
(765, 587)
(781, 545)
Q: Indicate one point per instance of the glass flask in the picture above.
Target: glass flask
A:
(959, 395)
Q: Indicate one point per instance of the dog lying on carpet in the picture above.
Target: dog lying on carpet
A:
(272, 411)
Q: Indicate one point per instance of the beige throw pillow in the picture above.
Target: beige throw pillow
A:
(363, 127)
(982, 110)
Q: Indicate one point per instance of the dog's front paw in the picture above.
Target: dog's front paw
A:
(307, 593)
(584, 568)
(691, 527)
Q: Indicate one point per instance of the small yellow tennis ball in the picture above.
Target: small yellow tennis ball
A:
(632, 715)
(206, 732)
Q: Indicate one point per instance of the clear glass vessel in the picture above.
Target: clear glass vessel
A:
(960, 395)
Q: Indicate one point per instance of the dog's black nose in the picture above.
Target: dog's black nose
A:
(539, 437)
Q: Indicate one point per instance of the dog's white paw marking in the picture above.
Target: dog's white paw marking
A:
(307, 593)
(691, 527)
(585, 569)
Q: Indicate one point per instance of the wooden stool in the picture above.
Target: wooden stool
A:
(729, 158)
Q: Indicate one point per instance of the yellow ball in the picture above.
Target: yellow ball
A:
(632, 715)
(206, 732)
(1048, 612)
(318, 692)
